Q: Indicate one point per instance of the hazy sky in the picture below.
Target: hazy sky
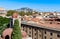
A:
(40, 5)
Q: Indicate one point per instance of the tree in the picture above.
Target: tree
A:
(29, 13)
(3, 23)
(16, 31)
(22, 13)
(10, 12)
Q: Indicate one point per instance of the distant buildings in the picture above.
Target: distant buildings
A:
(38, 28)
(2, 12)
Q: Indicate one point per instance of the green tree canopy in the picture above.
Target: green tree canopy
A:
(3, 23)
(10, 12)
(22, 13)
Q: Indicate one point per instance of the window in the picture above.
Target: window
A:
(51, 34)
(45, 32)
(50, 38)
(35, 29)
(39, 35)
(29, 35)
(35, 34)
(39, 30)
(26, 30)
(30, 32)
(58, 35)
(34, 38)
(50, 22)
(45, 37)
(29, 27)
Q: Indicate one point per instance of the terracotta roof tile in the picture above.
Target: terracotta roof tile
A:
(50, 24)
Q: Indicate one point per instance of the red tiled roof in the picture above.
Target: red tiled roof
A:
(54, 24)
(50, 25)
(35, 19)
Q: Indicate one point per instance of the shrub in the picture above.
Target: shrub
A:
(16, 31)
(3, 23)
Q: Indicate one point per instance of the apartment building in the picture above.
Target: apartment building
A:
(47, 29)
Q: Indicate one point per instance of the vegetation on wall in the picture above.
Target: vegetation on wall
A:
(3, 23)
(16, 31)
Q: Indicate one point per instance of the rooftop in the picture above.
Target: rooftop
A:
(45, 23)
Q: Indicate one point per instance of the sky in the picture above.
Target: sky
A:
(39, 5)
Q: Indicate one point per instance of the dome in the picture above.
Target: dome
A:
(2, 8)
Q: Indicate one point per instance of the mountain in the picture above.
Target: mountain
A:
(25, 9)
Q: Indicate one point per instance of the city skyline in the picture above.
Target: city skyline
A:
(39, 5)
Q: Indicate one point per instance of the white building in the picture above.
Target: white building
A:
(58, 15)
(3, 12)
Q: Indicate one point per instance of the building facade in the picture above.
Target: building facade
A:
(3, 12)
(37, 32)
